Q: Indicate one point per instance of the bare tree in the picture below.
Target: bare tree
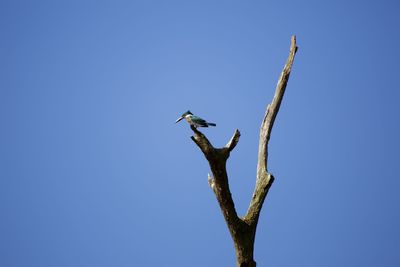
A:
(243, 229)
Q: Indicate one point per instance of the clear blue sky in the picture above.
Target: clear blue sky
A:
(94, 172)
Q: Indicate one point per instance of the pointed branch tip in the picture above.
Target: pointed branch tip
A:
(233, 141)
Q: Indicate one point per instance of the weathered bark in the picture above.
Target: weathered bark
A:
(243, 230)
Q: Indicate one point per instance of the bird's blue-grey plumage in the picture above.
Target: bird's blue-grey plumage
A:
(194, 120)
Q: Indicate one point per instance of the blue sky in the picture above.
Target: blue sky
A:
(93, 171)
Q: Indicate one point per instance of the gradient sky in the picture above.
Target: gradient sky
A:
(94, 172)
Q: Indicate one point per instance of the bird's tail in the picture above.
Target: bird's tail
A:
(211, 124)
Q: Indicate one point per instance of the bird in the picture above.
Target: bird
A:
(194, 120)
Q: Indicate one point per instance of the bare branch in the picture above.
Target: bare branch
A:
(234, 140)
(260, 192)
(272, 111)
(216, 158)
(265, 179)
(202, 142)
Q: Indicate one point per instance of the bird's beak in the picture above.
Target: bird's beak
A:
(179, 119)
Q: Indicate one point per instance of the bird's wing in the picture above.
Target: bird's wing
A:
(198, 120)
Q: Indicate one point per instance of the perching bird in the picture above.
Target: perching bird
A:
(194, 120)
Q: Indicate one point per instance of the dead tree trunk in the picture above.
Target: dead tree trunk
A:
(243, 229)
